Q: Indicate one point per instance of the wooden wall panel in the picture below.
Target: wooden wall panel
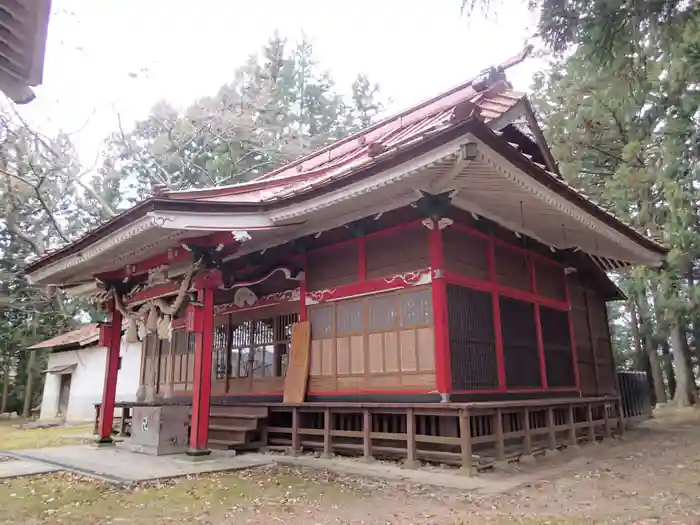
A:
(374, 342)
(465, 254)
(397, 252)
(512, 268)
(550, 280)
(332, 267)
(425, 344)
(357, 354)
(315, 368)
(409, 350)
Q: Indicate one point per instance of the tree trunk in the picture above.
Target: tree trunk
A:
(654, 361)
(30, 380)
(685, 387)
(688, 358)
(641, 356)
(5, 386)
(668, 366)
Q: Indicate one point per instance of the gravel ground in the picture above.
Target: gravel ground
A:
(651, 476)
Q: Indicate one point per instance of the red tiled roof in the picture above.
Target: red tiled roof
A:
(489, 95)
(82, 336)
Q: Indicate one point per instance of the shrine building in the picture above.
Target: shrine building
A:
(424, 289)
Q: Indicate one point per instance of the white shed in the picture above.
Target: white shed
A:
(75, 374)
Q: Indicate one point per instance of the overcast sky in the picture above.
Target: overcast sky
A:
(109, 56)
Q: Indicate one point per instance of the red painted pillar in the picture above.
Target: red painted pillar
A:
(538, 323)
(113, 333)
(362, 259)
(572, 335)
(443, 372)
(497, 327)
(302, 290)
(201, 397)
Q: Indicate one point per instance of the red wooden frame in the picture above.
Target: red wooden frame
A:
(173, 255)
(303, 313)
(423, 276)
(498, 329)
(112, 332)
(496, 289)
(443, 372)
(538, 322)
(201, 398)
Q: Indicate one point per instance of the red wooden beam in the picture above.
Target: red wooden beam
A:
(505, 244)
(506, 291)
(176, 254)
(362, 259)
(201, 398)
(443, 372)
(372, 286)
(303, 313)
(497, 327)
(112, 333)
(538, 323)
(572, 335)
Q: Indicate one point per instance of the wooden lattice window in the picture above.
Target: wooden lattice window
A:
(416, 308)
(383, 313)
(321, 318)
(220, 350)
(260, 347)
(556, 339)
(472, 339)
(349, 318)
(520, 349)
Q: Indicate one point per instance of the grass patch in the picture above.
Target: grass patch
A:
(66, 498)
(14, 438)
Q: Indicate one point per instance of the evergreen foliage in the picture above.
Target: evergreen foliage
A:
(278, 106)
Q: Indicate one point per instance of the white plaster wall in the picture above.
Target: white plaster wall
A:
(88, 380)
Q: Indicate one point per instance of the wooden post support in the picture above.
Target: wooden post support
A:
(201, 399)
(591, 424)
(465, 435)
(551, 432)
(500, 444)
(411, 460)
(295, 431)
(573, 442)
(367, 435)
(96, 428)
(327, 429)
(122, 421)
(109, 391)
(606, 417)
(527, 438)
(620, 417)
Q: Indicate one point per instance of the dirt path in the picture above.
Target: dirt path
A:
(653, 476)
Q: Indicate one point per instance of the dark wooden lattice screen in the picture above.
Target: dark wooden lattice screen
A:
(220, 350)
(556, 340)
(520, 350)
(472, 340)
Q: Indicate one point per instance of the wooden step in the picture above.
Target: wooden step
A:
(231, 428)
(243, 423)
(225, 444)
(243, 411)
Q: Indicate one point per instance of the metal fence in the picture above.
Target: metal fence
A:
(635, 394)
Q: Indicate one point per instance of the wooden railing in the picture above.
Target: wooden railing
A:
(472, 436)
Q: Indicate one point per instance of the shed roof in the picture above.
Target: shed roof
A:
(83, 336)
